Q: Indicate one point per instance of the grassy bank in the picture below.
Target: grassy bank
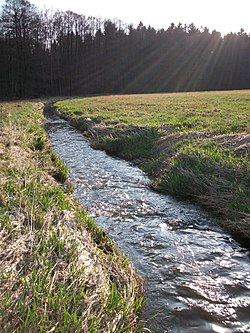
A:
(193, 145)
(59, 271)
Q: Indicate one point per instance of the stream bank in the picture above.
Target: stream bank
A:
(59, 271)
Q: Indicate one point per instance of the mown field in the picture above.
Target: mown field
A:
(59, 271)
(193, 145)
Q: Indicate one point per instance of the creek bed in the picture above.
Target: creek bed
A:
(197, 277)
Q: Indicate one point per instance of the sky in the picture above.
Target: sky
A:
(224, 16)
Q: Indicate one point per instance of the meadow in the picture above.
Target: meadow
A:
(193, 145)
(59, 271)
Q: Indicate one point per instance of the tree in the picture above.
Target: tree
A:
(20, 24)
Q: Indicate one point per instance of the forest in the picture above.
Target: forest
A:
(45, 53)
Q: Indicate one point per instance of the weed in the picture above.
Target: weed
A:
(39, 143)
(61, 171)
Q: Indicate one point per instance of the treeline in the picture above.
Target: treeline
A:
(63, 53)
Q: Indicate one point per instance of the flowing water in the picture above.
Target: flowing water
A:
(197, 278)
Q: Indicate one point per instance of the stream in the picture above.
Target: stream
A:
(197, 277)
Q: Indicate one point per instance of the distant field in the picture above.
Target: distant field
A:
(193, 145)
(225, 112)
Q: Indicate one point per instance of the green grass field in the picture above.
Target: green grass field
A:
(223, 112)
(59, 271)
(193, 145)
